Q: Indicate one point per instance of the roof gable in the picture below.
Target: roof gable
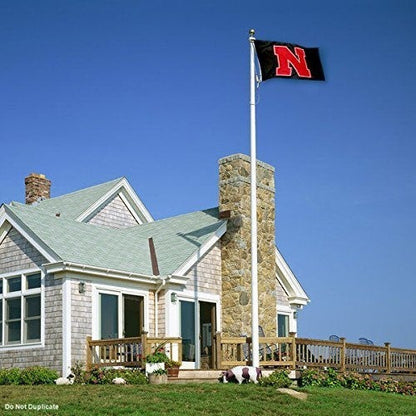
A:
(175, 239)
(84, 204)
(289, 282)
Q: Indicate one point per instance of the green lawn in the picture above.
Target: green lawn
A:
(206, 399)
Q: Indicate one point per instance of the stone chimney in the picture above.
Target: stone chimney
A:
(37, 186)
(234, 196)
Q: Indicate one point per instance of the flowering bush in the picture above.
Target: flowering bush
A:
(106, 375)
(355, 381)
(158, 356)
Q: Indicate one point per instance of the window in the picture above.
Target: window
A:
(282, 325)
(109, 316)
(120, 315)
(1, 320)
(20, 309)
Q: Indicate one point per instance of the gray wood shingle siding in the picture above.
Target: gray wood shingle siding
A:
(205, 276)
(114, 215)
(17, 254)
(81, 319)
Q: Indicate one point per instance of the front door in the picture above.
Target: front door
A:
(207, 329)
(133, 316)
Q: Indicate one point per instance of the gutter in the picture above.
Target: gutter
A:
(63, 266)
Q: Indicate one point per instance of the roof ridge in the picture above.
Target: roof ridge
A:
(168, 218)
(87, 188)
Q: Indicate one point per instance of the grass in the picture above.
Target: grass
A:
(206, 399)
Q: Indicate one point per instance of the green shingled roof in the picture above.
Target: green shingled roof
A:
(176, 239)
(72, 205)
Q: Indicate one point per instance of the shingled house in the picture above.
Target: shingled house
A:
(95, 263)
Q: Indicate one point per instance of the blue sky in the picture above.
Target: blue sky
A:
(158, 92)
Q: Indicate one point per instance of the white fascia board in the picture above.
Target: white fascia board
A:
(177, 280)
(134, 202)
(289, 282)
(63, 266)
(31, 237)
(4, 227)
(198, 254)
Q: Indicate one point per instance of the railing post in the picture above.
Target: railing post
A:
(343, 354)
(388, 357)
(180, 352)
(88, 364)
(144, 348)
(218, 351)
(293, 348)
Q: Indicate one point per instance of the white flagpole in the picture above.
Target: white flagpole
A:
(253, 179)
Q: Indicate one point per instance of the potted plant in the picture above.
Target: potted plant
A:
(172, 368)
(158, 377)
(156, 360)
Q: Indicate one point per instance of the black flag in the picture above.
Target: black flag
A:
(287, 60)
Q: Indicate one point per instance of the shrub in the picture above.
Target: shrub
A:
(277, 379)
(28, 376)
(133, 376)
(96, 376)
(355, 381)
(38, 375)
(10, 376)
(311, 378)
(78, 372)
(106, 375)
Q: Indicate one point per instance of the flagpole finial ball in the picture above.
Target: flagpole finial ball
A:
(251, 32)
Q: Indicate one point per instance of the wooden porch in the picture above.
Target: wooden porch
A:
(129, 352)
(275, 352)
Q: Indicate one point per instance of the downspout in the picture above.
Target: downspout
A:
(155, 271)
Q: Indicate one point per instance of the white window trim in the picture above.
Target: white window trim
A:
(289, 311)
(97, 289)
(22, 294)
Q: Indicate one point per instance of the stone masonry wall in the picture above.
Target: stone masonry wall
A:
(234, 195)
(17, 254)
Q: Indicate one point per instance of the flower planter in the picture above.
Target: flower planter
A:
(152, 367)
(158, 378)
(173, 372)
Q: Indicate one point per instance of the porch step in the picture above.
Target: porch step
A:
(196, 376)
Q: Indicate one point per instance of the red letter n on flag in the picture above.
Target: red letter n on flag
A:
(279, 59)
(287, 60)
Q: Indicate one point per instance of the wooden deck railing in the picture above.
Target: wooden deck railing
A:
(290, 352)
(275, 352)
(129, 351)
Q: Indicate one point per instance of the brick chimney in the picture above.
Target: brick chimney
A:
(234, 196)
(37, 186)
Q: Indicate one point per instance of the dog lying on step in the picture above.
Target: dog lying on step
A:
(241, 373)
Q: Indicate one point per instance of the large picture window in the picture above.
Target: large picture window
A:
(20, 309)
(120, 315)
